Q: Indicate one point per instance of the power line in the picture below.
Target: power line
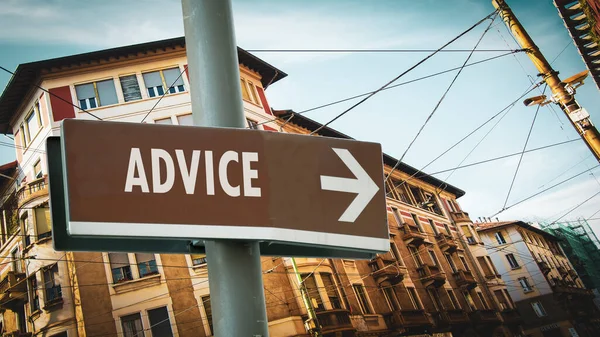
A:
(51, 94)
(576, 206)
(402, 74)
(378, 50)
(439, 102)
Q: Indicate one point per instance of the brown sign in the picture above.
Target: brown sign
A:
(161, 181)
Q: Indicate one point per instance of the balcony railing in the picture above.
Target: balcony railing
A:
(401, 319)
(332, 321)
(412, 235)
(13, 290)
(511, 316)
(32, 190)
(544, 267)
(485, 316)
(446, 243)
(431, 276)
(465, 278)
(562, 271)
(456, 316)
(386, 268)
(560, 287)
(460, 216)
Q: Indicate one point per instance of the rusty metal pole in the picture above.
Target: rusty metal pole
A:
(563, 94)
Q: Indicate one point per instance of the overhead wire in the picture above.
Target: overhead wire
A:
(375, 50)
(401, 75)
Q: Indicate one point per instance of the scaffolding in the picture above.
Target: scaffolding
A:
(580, 244)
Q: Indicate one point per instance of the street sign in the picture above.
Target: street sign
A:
(146, 181)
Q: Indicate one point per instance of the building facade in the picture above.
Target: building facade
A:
(428, 283)
(541, 280)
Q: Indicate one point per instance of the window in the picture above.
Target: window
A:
(500, 238)
(185, 120)
(167, 80)
(484, 266)
(359, 289)
(37, 169)
(451, 262)
(396, 253)
(146, 264)
(416, 192)
(433, 257)
(132, 325)
(33, 293)
(208, 311)
(397, 190)
(253, 93)
(453, 299)
(525, 284)
(501, 300)
(167, 121)
(464, 263)
(448, 231)
(198, 259)
(32, 125)
(52, 286)
(512, 261)
(482, 299)
(95, 94)
(245, 94)
(414, 299)
(415, 254)
(489, 260)
(433, 294)
(471, 240)
(159, 322)
(391, 298)
(331, 289)
(417, 222)
(130, 87)
(469, 300)
(313, 291)
(433, 227)
(538, 308)
(252, 124)
(119, 264)
(43, 222)
(509, 299)
(397, 216)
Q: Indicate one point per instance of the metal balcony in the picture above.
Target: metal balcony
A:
(511, 316)
(562, 288)
(401, 319)
(544, 267)
(334, 321)
(32, 190)
(562, 271)
(412, 235)
(13, 290)
(446, 243)
(456, 316)
(460, 217)
(386, 268)
(464, 278)
(431, 276)
(485, 316)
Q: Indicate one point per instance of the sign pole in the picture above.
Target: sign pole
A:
(235, 274)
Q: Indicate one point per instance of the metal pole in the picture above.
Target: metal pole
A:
(235, 275)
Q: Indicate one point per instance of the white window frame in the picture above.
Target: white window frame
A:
(538, 308)
(524, 282)
(500, 238)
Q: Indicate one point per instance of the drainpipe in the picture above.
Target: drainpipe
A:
(315, 330)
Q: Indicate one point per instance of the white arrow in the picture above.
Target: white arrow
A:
(362, 185)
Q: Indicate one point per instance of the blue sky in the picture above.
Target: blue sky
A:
(63, 27)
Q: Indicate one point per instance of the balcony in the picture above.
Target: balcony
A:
(562, 271)
(573, 274)
(460, 217)
(386, 268)
(562, 288)
(456, 316)
(464, 278)
(544, 267)
(401, 319)
(511, 316)
(333, 321)
(13, 290)
(446, 243)
(431, 276)
(32, 190)
(485, 316)
(412, 235)
(17, 333)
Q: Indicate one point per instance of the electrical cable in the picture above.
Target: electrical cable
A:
(574, 208)
(402, 74)
(165, 93)
(375, 50)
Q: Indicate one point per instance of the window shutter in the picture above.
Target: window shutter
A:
(131, 88)
(173, 76)
(185, 119)
(61, 109)
(85, 91)
(107, 92)
(144, 257)
(118, 260)
(43, 221)
(152, 79)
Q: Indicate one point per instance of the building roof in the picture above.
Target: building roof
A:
(582, 19)
(487, 226)
(291, 117)
(27, 74)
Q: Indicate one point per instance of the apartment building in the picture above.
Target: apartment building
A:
(428, 283)
(541, 280)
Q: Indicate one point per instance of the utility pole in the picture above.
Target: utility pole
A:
(563, 92)
(235, 277)
(312, 323)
